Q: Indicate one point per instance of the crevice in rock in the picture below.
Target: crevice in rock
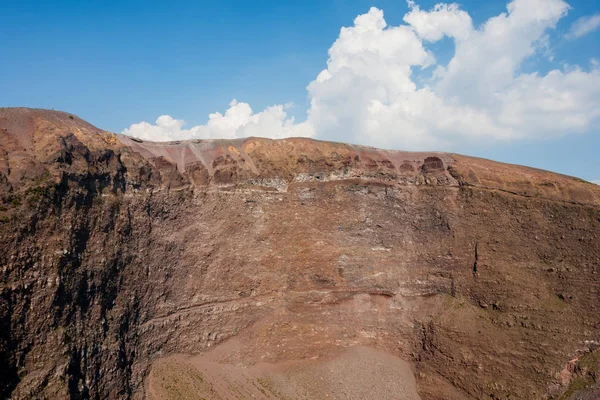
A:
(476, 259)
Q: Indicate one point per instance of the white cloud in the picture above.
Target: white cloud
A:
(368, 94)
(597, 182)
(583, 26)
(443, 19)
(238, 121)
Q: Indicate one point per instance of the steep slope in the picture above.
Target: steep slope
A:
(134, 269)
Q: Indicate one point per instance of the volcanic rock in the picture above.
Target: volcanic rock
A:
(292, 268)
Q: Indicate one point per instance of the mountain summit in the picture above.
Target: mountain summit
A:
(287, 269)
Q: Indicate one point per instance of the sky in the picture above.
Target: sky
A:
(515, 81)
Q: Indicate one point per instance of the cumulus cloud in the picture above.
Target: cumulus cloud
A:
(238, 121)
(368, 92)
(583, 26)
(597, 182)
(443, 19)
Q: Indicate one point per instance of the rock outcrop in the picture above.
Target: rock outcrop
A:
(124, 260)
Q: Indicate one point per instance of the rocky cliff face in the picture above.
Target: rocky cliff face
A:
(120, 257)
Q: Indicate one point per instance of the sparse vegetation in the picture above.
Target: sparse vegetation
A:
(37, 193)
(587, 370)
(14, 201)
(589, 362)
(579, 383)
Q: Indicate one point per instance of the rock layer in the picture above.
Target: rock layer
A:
(119, 254)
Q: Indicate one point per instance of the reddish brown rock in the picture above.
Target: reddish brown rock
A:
(128, 267)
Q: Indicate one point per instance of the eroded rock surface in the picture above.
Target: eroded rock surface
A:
(120, 257)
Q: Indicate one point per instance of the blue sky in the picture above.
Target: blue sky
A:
(117, 63)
